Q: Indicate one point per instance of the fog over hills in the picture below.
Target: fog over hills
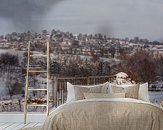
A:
(127, 18)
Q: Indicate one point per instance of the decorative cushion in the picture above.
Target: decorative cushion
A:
(76, 92)
(143, 92)
(101, 95)
(130, 91)
(79, 91)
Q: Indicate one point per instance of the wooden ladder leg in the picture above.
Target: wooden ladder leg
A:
(48, 67)
(26, 90)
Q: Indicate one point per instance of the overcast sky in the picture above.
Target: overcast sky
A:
(117, 18)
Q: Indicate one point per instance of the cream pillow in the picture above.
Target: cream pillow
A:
(101, 95)
(143, 92)
(79, 91)
(71, 89)
(130, 91)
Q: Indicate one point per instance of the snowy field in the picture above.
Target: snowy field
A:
(3, 92)
(13, 52)
(155, 97)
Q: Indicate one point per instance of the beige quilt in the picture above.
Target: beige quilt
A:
(106, 114)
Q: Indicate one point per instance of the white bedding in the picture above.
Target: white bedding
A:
(105, 114)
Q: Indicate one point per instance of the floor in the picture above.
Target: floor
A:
(17, 126)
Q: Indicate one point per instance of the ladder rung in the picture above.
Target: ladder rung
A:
(34, 66)
(38, 55)
(37, 113)
(38, 71)
(37, 89)
(37, 105)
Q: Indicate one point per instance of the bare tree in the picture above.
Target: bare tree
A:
(8, 63)
(140, 66)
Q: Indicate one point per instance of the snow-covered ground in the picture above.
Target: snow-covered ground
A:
(2, 88)
(156, 97)
(13, 52)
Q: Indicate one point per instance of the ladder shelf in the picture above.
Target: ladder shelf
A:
(35, 70)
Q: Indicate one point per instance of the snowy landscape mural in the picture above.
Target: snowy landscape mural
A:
(88, 41)
(72, 55)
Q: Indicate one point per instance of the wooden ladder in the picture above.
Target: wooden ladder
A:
(27, 89)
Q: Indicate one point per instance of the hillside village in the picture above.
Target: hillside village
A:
(81, 44)
(78, 55)
(67, 48)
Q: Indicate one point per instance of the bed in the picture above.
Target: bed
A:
(103, 111)
(106, 114)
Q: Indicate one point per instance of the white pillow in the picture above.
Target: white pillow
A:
(143, 92)
(71, 92)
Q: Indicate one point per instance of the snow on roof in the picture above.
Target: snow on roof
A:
(121, 75)
(122, 79)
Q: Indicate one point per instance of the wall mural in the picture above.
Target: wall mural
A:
(88, 45)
